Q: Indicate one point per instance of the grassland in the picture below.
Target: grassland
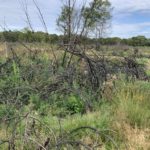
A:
(40, 110)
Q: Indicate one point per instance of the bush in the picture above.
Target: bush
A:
(74, 104)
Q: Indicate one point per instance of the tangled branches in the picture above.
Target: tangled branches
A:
(33, 135)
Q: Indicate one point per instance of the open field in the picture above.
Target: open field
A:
(47, 105)
(75, 75)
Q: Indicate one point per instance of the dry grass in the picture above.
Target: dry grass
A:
(136, 139)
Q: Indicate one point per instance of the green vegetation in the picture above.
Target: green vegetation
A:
(71, 92)
(35, 100)
(27, 36)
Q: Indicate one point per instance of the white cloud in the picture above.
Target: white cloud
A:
(130, 5)
(129, 30)
(123, 25)
(14, 16)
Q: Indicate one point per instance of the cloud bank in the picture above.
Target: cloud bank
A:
(130, 17)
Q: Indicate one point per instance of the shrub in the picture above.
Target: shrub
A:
(74, 104)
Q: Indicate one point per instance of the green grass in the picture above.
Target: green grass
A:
(123, 109)
(133, 101)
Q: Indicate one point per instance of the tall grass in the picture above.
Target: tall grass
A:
(133, 101)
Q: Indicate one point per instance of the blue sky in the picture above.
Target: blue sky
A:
(130, 17)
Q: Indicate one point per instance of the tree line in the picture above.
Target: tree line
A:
(39, 36)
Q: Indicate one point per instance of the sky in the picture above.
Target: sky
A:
(129, 17)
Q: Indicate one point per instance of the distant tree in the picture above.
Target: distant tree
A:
(124, 41)
(54, 38)
(138, 41)
(25, 29)
(11, 36)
